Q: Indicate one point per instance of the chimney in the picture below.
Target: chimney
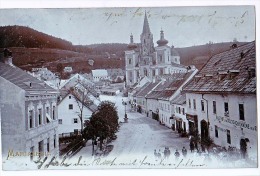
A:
(6, 57)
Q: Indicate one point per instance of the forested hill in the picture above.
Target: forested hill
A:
(20, 36)
(31, 47)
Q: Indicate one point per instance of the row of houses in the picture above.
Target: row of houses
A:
(216, 103)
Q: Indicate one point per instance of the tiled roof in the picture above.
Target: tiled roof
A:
(22, 79)
(167, 88)
(138, 90)
(180, 99)
(147, 89)
(227, 72)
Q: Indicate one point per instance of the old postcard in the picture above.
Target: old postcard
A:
(128, 88)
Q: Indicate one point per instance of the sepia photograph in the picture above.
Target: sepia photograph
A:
(170, 87)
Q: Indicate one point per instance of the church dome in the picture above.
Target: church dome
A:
(162, 41)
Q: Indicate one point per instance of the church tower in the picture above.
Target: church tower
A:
(147, 46)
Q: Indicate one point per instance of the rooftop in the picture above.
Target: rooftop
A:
(232, 71)
(24, 80)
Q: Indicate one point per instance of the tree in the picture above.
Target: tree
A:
(103, 123)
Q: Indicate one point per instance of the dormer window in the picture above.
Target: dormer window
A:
(233, 73)
(221, 75)
(208, 76)
(197, 78)
(251, 72)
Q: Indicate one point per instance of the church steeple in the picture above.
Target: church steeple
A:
(147, 46)
(146, 28)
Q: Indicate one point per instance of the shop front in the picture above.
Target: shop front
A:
(193, 124)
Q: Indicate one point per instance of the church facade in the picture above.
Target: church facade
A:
(144, 59)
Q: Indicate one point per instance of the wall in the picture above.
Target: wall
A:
(12, 103)
(220, 120)
(67, 115)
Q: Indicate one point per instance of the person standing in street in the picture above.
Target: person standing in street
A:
(184, 152)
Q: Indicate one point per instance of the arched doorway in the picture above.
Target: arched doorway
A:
(243, 147)
(204, 130)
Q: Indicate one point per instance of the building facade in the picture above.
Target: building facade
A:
(69, 115)
(146, 60)
(221, 100)
(29, 113)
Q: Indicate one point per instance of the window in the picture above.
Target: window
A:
(54, 141)
(194, 103)
(153, 72)
(40, 147)
(168, 107)
(214, 107)
(226, 113)
(179, 110)
(183, 111)
(216, 131)
(241, 112)
(75, 120)
(202, 106)
(60, 121)
(30, 119)
(228, 137)
(70, 106)
(130, 61)
(47, 112)
(189, 104)
(40, 116)
(48, 145)
(161, 71)
(69, 97)
(53, 112)
(161, 59)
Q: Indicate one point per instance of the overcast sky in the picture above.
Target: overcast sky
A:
(183, 26)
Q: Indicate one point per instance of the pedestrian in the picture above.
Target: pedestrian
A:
(191, 146)
(203, 148)
(159, 155)
(155, 155)
(196, 146)
(177, 154)
(184, 152)
(165, 153)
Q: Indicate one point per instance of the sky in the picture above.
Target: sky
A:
(182, 26)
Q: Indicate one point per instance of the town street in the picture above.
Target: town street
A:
(137, 140)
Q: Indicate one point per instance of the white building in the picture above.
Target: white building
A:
(100, 74)
(146, 60)
(44, 74)
(221, 100)
(67, 69)
(69, 115)
(179, 121)
(29, 114)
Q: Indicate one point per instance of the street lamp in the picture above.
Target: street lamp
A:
(126, 119)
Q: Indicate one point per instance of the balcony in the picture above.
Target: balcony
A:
(34, 132)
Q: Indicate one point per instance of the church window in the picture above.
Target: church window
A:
(153, 72)
(161, 71)
(145, 72)
(130, 61)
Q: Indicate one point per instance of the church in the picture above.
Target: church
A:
(143, 59)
